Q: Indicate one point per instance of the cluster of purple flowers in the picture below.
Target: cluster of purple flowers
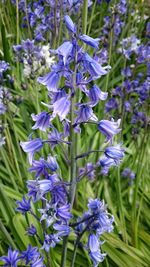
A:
(133, 94)
(128, 173)
(114, 23)
(96, 221)
(30, 257)
(5, 95)
(35, 58)
(44, 17)
(78, 69)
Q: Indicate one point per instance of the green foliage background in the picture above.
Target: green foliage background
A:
(129, 244)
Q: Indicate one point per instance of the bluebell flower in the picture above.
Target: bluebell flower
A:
(126, 72)
(107, 162)
(89, 40)
(51, 81)
(84, 114)
(69, 24)
(65, 50)
(55, 138)
(111, 104)
(11, 259)
(4, 66)
(93, 67)
(127, 172)
(97, 257)
(51, 213)
(3, 108)
(31, 231)
(93, 243)
(109, 128)
(42, 121)
(50, 241)
(31, 147)
(127, 106)
(42, 166)
(95, 95)
(59, 194)
(37, 263)
(62, 229)
(24, 205)
(114, 152)
(30, 254)
(38, 188)
(63, 213)
(61, 107)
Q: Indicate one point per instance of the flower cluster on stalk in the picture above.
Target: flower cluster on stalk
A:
(5, 96)
(74, 72)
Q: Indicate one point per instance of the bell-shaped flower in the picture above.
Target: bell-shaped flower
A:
(109, 128)
(42, 121)
(95, 95)
(65, 50)
(114, 152)
(61, 107)
(89, 40)
(93, 67)
(69, 24)
(11, 259)
(31, 147)
(93, 243)
(23, 205)
(51, 81)
(85, 113)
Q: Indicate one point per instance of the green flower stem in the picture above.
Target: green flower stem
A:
(91, 18)
(120, 204)
(84, 16)
(73, 167)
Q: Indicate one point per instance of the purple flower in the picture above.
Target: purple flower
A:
(4, 66)
(97, 257)
(114, 152)
(11, 259)
(95, 94)
(61, 107)
(51, 80)
(24, 205)
(127, 172)
(65, 50)
(93, 67)
(50, 241)
(59, 194)
(69, 24)
(93, 243)
(31, 231)
(42, 166)
(31, 147)
(107, 162)
(2, 108)
(30, 254)
(63, 230)
(85, 113)
(109, 128)
(37, 263)
(111, 104)
(38, 188)
(63, 213)
(42, 121)
(89, 40)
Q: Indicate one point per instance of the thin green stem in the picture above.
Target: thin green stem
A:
(84, 16)
(91, 18)
(122, 219)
